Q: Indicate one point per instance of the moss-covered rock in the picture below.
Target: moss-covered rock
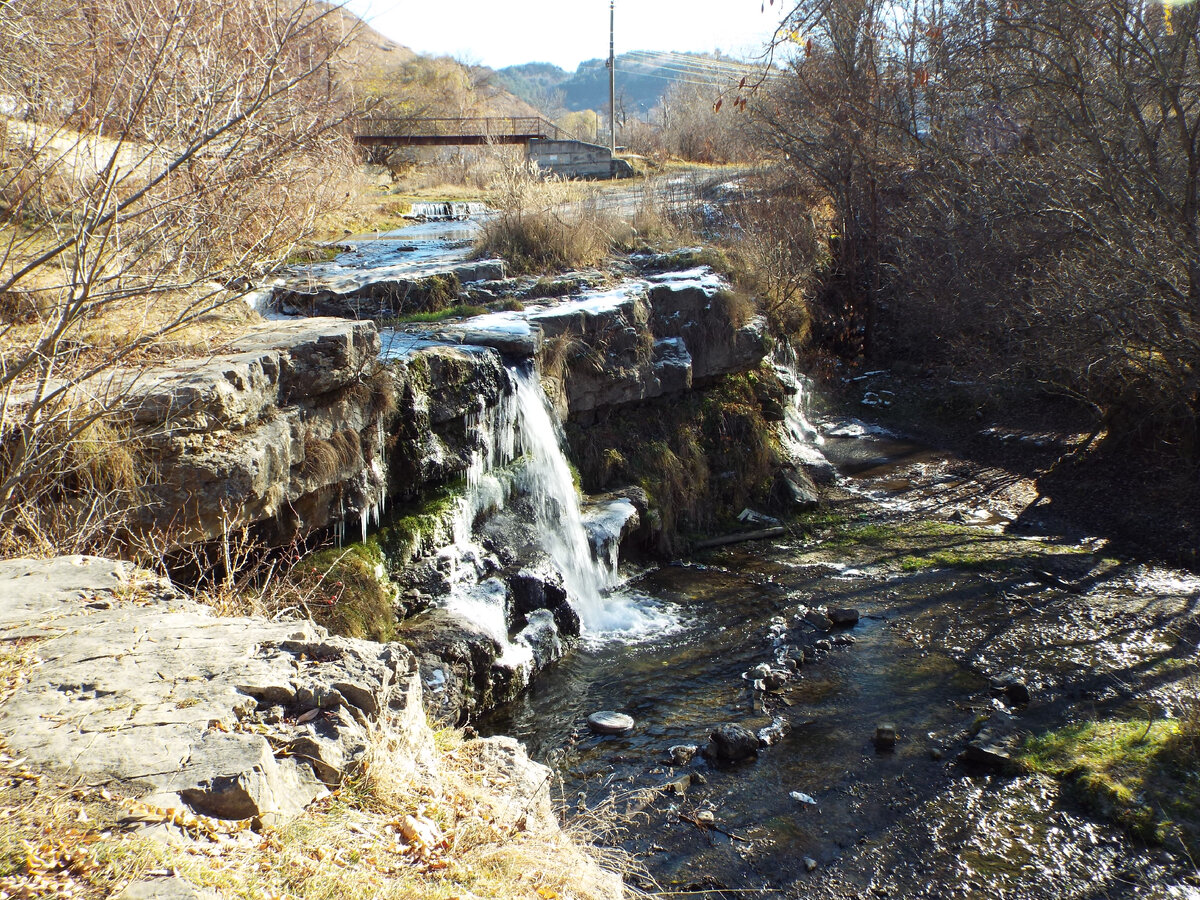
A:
(700, 458)
(352, 594)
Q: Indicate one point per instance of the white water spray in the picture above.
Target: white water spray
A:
(800, 438)
(546, 479)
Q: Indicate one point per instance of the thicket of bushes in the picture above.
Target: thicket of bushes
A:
(1014, 195)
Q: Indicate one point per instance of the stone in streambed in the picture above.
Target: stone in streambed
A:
(731, 743)
(988, 750)
(1017, 692)
(843, 617)
(682, 754)
(609, 722)
(885, 737)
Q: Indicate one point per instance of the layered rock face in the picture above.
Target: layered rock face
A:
(233, 718)
(645, 339)
(298, 427)
(282, 427)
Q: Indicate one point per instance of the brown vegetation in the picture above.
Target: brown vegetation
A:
(548, 226)
(141, 178)
(1014, 196)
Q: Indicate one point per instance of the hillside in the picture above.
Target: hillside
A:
(374, 65)
(643, 77)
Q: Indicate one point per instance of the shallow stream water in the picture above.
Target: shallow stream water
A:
(823, 812)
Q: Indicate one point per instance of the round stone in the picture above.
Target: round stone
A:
(609, 722)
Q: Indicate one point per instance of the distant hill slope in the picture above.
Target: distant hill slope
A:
(642, 79)
(375, 65)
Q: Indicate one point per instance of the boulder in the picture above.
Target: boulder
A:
(731, 743)
(794, 491)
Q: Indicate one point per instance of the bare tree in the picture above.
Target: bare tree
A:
(154, 152)
(1016, 191)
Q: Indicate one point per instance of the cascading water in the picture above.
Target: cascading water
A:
(546, 479)
(523, 429)
(797, 434)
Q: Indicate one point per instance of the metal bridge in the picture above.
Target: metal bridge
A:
(447, 131)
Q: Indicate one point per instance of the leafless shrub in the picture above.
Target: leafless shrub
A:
(156, 154)
(548, 225)
(1013, 193)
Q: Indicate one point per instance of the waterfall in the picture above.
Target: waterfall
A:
(799, 437)
(590, 578)
(446, 209)
(546, 479)
(519, 451)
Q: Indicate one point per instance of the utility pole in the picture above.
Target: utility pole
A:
(612, 76)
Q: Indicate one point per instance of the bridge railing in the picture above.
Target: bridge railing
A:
(448, 126)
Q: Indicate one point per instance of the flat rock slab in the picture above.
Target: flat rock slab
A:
(231, 717)
(609, 722)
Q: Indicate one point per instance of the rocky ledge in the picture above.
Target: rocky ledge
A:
(135, 687)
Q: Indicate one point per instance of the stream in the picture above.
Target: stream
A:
(955, 584)
(822, 812)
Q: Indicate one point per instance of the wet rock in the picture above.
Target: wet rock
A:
(989, 750)
(542, 637)
(843, 640)
(1017, 692)
(823, 645)
(610, 722)
(793, 491)
(810, 864)
(885, 737)
(679, 786)
(706, 817)
(818, 620)
(458, 664)
(773, 733)
(775, 680)
(731, 743)
(843, 617)
(682, 754)
(542, 589)
(759, 672)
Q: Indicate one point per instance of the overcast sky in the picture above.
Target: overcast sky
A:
(500, 33)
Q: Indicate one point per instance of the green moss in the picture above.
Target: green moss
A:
(701, 458)
(1141, 774)
(351, 592)
(460, 311)
(418, 527)
(929, 544)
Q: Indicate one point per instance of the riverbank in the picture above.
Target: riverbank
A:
(1145, 504)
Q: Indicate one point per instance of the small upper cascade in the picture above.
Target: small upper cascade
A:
(447, 209)
(798, 435)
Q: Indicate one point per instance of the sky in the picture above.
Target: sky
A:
(500, 33)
